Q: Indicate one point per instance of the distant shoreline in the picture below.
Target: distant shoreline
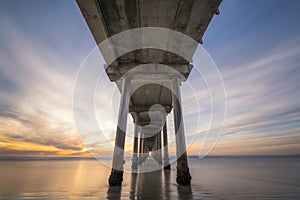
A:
(48, 158)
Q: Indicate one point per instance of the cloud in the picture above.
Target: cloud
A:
(36, 95)
(261, 103)
(36, 85)
(262, 106)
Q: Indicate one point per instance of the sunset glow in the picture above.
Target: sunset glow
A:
(44, 44)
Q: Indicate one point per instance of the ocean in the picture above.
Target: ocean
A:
(212, 178)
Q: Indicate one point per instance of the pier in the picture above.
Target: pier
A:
(149, 90)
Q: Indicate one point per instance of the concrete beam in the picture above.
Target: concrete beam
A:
(93, 16)
(153, 72)
(137, 108)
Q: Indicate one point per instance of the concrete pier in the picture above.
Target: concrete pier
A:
(140, 149)
(160, 160)
(135, 161)
(183, 174)
(109, 18)
(166, 149)
(116, 176)
(156, 149)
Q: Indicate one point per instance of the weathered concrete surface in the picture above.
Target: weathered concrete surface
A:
(106, 18)
(116, 176)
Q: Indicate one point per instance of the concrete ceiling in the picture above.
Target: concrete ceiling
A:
(107, 18)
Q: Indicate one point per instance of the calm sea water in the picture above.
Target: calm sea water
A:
(213, 178)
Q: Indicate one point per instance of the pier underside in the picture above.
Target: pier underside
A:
(149, 101)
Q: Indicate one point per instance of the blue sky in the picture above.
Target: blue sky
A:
(255, 44)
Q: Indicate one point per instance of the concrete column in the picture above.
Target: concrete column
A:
(183, 174)
(141, 147)
(166, 149)
(135, 143)
(116, 176)
(145, 150)
(159, 148)
(155, 148)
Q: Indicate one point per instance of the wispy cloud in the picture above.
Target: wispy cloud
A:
(262, 110)
(36, 85)
(36, 95)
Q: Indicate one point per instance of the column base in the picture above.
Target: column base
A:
(183, 177)
(115, 178)
(167, 166)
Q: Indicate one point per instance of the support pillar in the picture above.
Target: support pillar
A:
(145, 150)
(116, 176)
(183, 174)
(159, 148)
(135, 143)
(166, 149)
(141, 147)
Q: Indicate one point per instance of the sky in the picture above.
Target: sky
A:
(255, 44)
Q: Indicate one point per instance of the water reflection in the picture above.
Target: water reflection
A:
(184, 192)
(213, 178)
(167, 188)
(149, 182)
(151, 185)
(114, 192)
(133, 185)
